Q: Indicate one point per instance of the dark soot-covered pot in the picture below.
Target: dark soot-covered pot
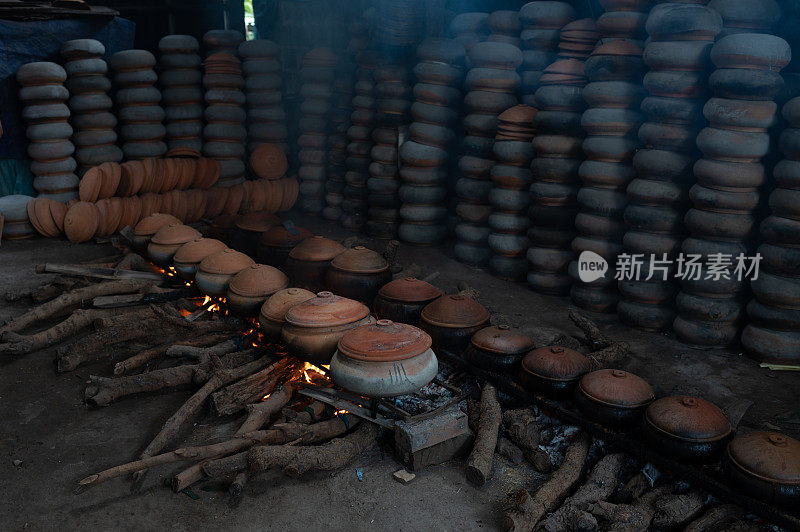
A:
(553, 371)
(451, 321)
(497, 348)
(309, 261)
(402, 300)
(358, 273)
(613, 397)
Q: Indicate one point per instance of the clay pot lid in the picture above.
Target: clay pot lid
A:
(175, 233)
(222, 58)
(770, 456)
(58, 210)
(618, 47)
(279, 303)
(455, 311)
(616, 388)
(583, 24)
(409, 290)
(280, 236)
(269, 161)
(501, 340)
(257, 222)
(90, 184)
(197, 250)
(556, 363)
(384, 341)
(360, 260)
(571, 67)
(519, 114)
(259, 280)
(316, 249)
(688, 418)
(226, 262)
(81, 221)
(321, 56)
(326, 310)
(149, 225)
(44, 215)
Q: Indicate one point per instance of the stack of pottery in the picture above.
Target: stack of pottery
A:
(216, 271)
(492, 84)
(187, 259)
(468, 29)
(725, 200)
(747, 17)
(577, 39)
(149, 225)
(341, 109)
(318, 72)
(48, 131)
(89, 104)
(451, 321)
(45, 215)
(358, 273)
(425, 156)
(399, 23)
(277, 242)
(272, 316)
(510, 198)
(181, 90)
(402, 300)
(16, 222)
(541, 22)
(222, 41)
(611, 122)
(263, 85)
(681, 37)
(773, 332)
(554, 192)
(308, 262)
(224, 134)
(167, 240)
(138, 104)
(504, 26)
(250, 288)
(624, 19)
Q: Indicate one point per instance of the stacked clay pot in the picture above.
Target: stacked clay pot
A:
(725, 199)
(624, 19)
(222, 41)
(181, 90)
(17, 223)
(318, 72)
(681, 37)
(48, 131)
(773, 332)
(138, 104)
(504, 26)
(747, 17)
(341, 109)
(89, 104)
(468, 29)
(492, 84)
(263, 85)
(224, 134)
(554, 191)
(509, 198)
(577, 39)
(425, 155)
(541, 24)
(611, 122)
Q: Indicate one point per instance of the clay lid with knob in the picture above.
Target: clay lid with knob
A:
(409, 290)
(688, 418)
(455, 311)
(326, 310)
(556, 363)
(316, 249)
(81, 221)
(198, 249)
(769, 456)
(359, 259)
(259, 280)
(226, 262)
(279, 303)
(616, 388)
(149, 225)
(384, 341)
(280, 236)
(501, 340)
(175, 233)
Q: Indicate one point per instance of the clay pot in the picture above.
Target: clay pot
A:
(358, 273)
(553, 371)
(613, 398)
(313, 328)
(402, 300)
(758, 51)
(249, 228)
(189, 256)
(272, 316)
(149, 226)
(308, 262)
(451, 321)
(369, 358)
(166, 241)
(497, 348)
(216, 271)
(686, 428)
(250, 288)
(277, 242)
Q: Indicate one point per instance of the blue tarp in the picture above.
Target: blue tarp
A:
(26, 42)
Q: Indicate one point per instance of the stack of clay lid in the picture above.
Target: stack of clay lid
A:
(497, 348)
(250, 288)
(747, 17)
(451, 321)
(766, 465)
(402, 300)
(273, 312)
(308, 262)
(222, 41)
(317, 72)
(167, 239)
(263, 86)
(216, 271)
(46, 216)
(268, 161)
(138, 104)
(541, 25)
(81, 221)
(16, 222)
(189, 256)
(181, 82)
(509, 197)
(553, 371)
(577, 39)
(89, 103)
(100, 182)
(115, 214)
(277, 242)
(468, 29)
(624, 19)
(49, 132)
(224, 134)
(425, 155)
(613, 397)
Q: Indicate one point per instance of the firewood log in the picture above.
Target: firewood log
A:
(251, 389)
(521, 428)
(479, 463)
(143, 357)
(629, 517)
(596, 339)
(260, 413)
(633, 489)
(610, 356)
(506, 448)
(674, 510)
(307, 415)
(717, 518)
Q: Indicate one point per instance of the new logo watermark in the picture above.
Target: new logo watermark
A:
(591, 266)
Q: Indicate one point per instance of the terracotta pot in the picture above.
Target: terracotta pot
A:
(370, 358)
(148, 226)
(189, 256)
(249, 228)
(402, 300)
(277, 242)
(217, 270)
(250, 288)
(272, 316)
(358, 273)
(613, 397)
(497, 348)
(308, 262)
(166, 241)
(553, 371)
(451, 321)
(313, 328)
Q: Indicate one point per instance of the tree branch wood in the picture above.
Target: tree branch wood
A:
(479, 463)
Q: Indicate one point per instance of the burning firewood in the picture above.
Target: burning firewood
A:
(717, 518)
(260, 413)
(148, 355)
(674, 510)
(307, 415)
(251, 389)
(529, 509)
(479, 463)
(629, 517)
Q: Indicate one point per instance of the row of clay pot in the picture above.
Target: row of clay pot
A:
(180, 77)
(224, 134)
(263, 87)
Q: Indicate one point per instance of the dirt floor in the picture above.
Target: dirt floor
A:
(49, 438)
